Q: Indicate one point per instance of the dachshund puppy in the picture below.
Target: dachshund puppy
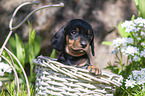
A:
(74, 40)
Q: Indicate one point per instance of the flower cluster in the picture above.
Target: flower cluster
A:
(122, 41)
(136, 78)
(142, 54)
(133, 45)
(4, 68)
(130, 50)
(133, 26)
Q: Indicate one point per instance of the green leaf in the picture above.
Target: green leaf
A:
(33, 49)
(133, 17)
(31, 46)
(27, 52)
(136, 4)
(122, 31)
(37, 45)
(142, 8)
(30, 26)
(5, 54)
(10, 87)
(12, 45)
(53, 53)
(32, 36)
(108, 43)
(31, 52)
(20, 50)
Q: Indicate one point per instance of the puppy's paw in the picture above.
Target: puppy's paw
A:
(94, 70)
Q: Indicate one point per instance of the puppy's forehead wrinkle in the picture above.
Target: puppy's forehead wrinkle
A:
(79, 29)
(78, 23)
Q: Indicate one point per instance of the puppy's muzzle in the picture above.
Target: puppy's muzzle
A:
(83, 43)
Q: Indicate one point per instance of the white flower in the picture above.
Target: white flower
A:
(9, 70)
(133, 26)
(142, 33)
(118, 41)
(141, 24)
(130, 29)
(138, 76)
(121, 41)
(136, 34)
(129, 50)
(142, 54)
(1, 83)
(135, 74)
(1, 73)
(115, 51)
(139, 21)
(5, 67)
(138, 38)
(140, 81)
(127, 24)
(129, 83)
(129, 40)
(135, 58)
(143, 70)
(137, 29)
(143, 44)
(0, 59)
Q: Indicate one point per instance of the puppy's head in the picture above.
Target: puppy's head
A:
(75, 38)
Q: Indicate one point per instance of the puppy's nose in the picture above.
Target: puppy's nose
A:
(83, 43)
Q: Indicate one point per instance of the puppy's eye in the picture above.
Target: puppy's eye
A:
(89, 35)
(74, 32)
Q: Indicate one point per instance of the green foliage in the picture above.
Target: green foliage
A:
(11, 90)
(33, 49)
(12, 44)
(20, 52)
(108, 43)
(53, 53)
(25, 53)
(140, 93)
(124, 65)
(140, 7)
(122, 31)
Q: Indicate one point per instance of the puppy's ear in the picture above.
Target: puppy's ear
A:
(92, 47)
(58, 40)
(92, 44)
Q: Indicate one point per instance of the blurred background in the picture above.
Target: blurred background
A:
(103, 15)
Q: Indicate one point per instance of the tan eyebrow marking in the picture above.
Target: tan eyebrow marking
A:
(77, 29)
(89, 32)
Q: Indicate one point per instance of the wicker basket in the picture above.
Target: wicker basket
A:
(54, 78)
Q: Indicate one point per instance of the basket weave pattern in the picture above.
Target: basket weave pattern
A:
(61, 80)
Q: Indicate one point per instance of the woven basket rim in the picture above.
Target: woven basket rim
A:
(58, 79)
(116, 82)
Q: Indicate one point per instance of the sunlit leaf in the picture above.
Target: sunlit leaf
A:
(27, 52)
(133, 17)
(142, 8)
(108, 43)
(136, 4)
(53, 53)
(12, 44)
(37, 45)
(20, 50)
(122, 31)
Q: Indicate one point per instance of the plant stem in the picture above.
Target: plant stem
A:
(120, 68)
(5, 79)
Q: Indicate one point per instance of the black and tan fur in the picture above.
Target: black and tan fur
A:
(74, 40)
